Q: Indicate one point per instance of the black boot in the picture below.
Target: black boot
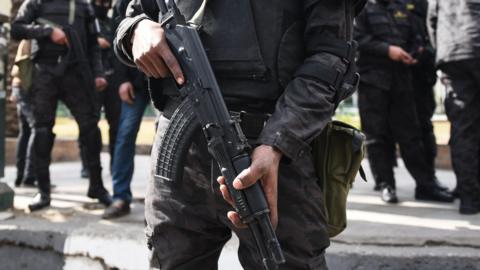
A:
(101, 194)
(40, 201)
(42, 148)
(439, 185)
(389, 195)
(96, 190)
(18, 181)
(433, 194)
(469, 205)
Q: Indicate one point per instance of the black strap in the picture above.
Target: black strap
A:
(341, 48)
(318, 71)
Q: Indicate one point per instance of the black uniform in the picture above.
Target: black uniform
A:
(424, 78)
(62, 73)
(458, 56)
(23, 155)
(270, 57)
(386, 99)
(108, 99)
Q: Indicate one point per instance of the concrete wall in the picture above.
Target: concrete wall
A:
(5, 6)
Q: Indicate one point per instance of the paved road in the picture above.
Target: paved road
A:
(74, 221)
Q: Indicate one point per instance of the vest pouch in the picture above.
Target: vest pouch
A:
(337, 153)
(230, 40)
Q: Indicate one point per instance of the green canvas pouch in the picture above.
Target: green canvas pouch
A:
(338, 153)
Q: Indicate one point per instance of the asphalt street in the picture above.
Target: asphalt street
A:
(374, 227)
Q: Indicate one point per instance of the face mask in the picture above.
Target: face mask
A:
(100, 12)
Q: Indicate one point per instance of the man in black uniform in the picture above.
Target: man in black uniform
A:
(458, 56)
(387, 106)
(19, 96)
(107, 99)
(424, 77)
(270, 57)
(66, 34)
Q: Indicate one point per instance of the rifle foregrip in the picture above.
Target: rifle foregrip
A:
(254, 195)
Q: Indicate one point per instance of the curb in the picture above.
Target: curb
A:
(75, 250)
(64, 150)
(370, 257)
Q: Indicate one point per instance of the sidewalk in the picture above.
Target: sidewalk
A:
(71, 235)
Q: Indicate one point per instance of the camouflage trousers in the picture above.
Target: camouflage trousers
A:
(462, 106)
(187, 223)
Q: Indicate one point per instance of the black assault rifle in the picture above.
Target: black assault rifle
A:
(203, 107)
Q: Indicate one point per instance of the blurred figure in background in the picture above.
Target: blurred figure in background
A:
(133, 92)
(108, 98)
(424, 78)
(455, 32)
(385, 35)
(67, 67)
(21, 85)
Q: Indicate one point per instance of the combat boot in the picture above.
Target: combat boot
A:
(469, 205)
(389, 195)
(18, 181)
(40, 201)
(433, 194)
(439, 185)
(96, 190)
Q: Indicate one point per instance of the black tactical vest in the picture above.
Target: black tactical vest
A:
(390, 23)
(254, 46)
(74, 14)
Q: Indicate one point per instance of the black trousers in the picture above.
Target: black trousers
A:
(389, 116)
(425, 106)
(109, 100)
(187, 223)
(463, 110)
(70, 87)
(24, 155)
